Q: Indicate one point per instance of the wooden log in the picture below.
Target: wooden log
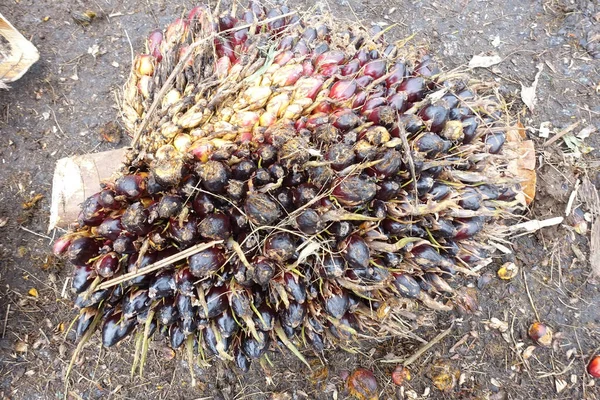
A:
(75, 179)
(17, 54)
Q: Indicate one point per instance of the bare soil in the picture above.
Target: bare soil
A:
(59, 108)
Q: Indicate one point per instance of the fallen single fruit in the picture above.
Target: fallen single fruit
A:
(593, 367)
(444, 375)
(540, 333)
(508, 271)
(400, 375)
(362, 384)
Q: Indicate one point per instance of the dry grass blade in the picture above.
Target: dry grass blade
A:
(160, 264)
(422, 349)
(282, 336)
(590, 196)
(82, 342)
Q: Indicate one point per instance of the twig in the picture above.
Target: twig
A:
(35, 233)
(5, 320)
(560, 134)
(572, 198)
(130, 47)
(422, 349)
(160, 264)
(411, 162)
(529, 295)
(56, 122)
(180, 65)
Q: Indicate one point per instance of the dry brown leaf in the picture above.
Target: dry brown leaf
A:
(528, 94)
(480, 61)
(21, 346)
(33, 201)
(444, 375)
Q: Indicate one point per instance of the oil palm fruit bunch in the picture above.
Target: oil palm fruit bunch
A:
(294, 183)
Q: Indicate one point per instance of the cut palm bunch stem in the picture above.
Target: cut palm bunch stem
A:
(294, 184)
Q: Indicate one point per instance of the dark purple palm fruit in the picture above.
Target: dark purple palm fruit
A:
(169, 206)
(390, 162)
(355, 251)
(107, 199)
(341, 229)
(264, 270)
(255, 348)
(185, 306)
(431, 144)
(309, 221)
(494, 142)
(470, 199)
(354, 191)
(340, 155)
(83, 276)
(167, 312)
(86, 317)
(345, 328)
(184, 232)
(82, 249)
(116, 328)
(241, 361)
(92, 212)
(295, 286)
(406, 285)
(184, 281)
(125, 244)
(206, 262)
(227, 324)
(243, 170)
(414, 88)
(135, 302)
(203, 205)
(214, 175)
(215, 226)
(213, 342)
(162, 286)
(216, 301)
(293, 315)
(88, 300)
(135, 219)
(110, 228)
(470, 126)
(337, 303)
(303, 194)
(132, 187)
(134, 263)
(107, 265)
(279, 247)
(176, 335)
(468, 227)
(333, 266)
(265, 319)
(435, 116)
(261, 209)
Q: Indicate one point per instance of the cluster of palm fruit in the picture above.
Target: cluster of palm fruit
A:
(318, 185)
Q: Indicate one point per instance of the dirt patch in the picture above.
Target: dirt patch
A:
(60, 107)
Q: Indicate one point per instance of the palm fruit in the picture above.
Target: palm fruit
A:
(314, 184)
